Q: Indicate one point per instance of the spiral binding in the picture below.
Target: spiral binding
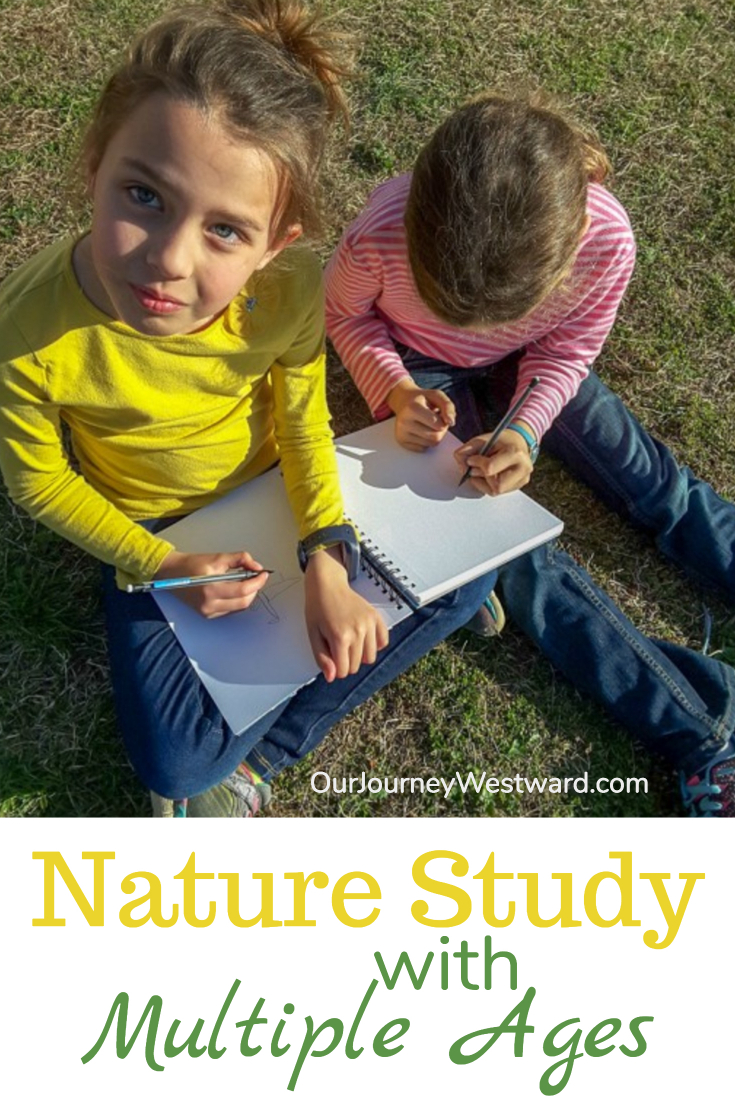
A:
(383, 573)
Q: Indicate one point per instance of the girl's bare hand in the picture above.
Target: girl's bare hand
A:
(422, 416)
(344, 629)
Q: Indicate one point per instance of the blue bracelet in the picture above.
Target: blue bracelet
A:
(533, 445)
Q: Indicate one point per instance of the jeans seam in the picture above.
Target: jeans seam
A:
(591, 459)
(716, 726)
(262, 765)
(636, 516)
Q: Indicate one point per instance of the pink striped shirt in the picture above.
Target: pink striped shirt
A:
(372, 300)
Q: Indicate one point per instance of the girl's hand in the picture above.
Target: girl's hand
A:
(220, 598)
(422, 416)
(507, 467)
(344, 630)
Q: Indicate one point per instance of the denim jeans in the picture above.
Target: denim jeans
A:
(176, 738)
(676, 701)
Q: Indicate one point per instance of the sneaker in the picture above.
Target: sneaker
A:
(489, 619)
(240, 796)
(711, 792)
(164, 808)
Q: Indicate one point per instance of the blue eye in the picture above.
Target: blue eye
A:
(144, 196)
(225, 233)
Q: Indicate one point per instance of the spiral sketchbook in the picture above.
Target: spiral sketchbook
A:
(421, 537)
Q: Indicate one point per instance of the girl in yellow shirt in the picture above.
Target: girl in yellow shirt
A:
(185, 352)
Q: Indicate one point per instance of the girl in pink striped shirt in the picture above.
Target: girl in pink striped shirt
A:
(500, 258)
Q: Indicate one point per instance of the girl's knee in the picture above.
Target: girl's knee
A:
(465, 601)
(180, 759)
(178, 780)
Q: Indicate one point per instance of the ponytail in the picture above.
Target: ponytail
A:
(304, 36)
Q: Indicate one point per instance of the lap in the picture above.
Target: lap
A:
(176, 738)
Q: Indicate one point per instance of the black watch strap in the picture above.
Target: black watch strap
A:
(343, 534)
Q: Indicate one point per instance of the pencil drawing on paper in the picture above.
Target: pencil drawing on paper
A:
(268, 602)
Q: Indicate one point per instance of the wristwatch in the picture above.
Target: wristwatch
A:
(343, 534)
(533, 444)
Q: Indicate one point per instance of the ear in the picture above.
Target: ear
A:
(281, 243)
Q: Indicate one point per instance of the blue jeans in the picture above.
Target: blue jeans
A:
(676, 701)
(176, 739)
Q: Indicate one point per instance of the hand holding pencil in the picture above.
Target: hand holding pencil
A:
(501, 461)
(214, 584)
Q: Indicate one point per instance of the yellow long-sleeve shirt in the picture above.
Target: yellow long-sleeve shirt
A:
(161, 426)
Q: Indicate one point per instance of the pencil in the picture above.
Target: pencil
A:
(198, 579)
(503, 424)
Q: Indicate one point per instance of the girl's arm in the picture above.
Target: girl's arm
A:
(344, 629)
(353, 286)
(41, 480)
(300, 412)
(361, 337)
(561, 359)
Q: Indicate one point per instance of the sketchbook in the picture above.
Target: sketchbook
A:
(421, 537)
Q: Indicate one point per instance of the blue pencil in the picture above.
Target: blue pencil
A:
(200, 579)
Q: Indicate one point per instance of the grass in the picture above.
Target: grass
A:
(655, 78)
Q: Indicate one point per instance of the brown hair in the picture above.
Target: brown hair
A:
(267, 70)
(497, 207)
